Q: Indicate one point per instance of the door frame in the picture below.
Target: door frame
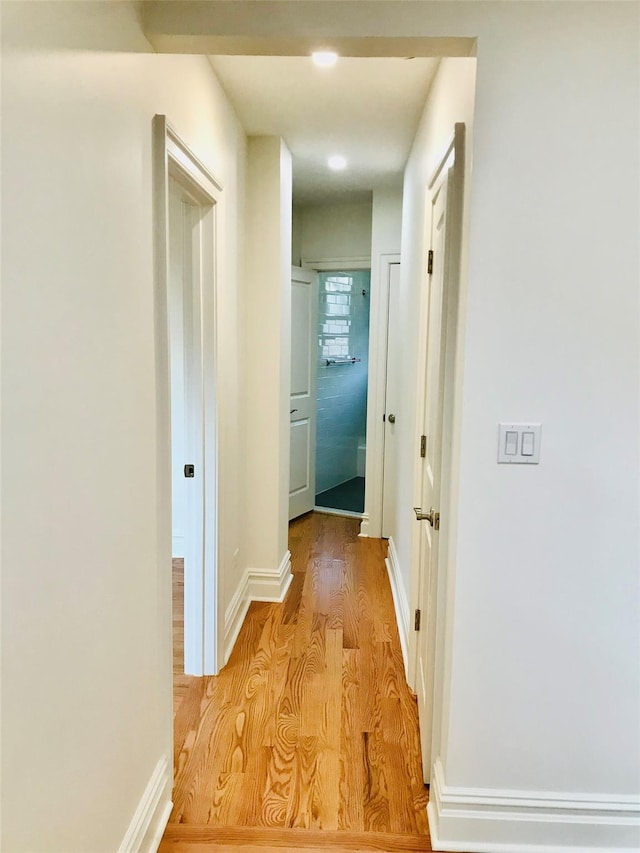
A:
(438, 618)
(352, 264)
(377, 395)
(172, 158)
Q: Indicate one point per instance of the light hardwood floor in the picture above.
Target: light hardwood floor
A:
(308, 738)
(181, 682)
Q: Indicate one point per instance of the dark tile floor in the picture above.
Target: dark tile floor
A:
(348, 496)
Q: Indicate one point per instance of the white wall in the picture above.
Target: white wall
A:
(86, 691)
(296, 247)
(541, 698)
(268, 352)
(542, 694)
(546, 592)
(541, 688)
(329, 232)
(386, 222)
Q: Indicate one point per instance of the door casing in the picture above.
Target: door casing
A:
(392, 395)
(351, 264)
(202, 619)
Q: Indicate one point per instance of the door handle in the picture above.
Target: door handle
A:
(432, 516)
(391, 419)
(292, 411)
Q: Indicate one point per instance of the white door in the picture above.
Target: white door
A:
(392, 391)
(432, 418)
(304, 313)
(187, 414)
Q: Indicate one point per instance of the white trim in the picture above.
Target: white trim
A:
(361, 262)
(177, 546)
(400, 601)
(187, 162)
(344, 513)
(255, 585)
(173, 158)
(377, 391)
(157, 828)
(446, 160)
(152, 814)
(503, 821)
(235, 614)
(267, 585)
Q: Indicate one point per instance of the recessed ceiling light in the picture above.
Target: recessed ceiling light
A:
(324, 58)
(337, 162)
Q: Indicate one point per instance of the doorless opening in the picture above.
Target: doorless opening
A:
(186, 196)
(342, 386)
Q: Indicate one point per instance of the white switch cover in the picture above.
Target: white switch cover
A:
(519, 444)
(511, 442)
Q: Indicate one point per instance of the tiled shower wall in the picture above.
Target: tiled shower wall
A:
(343, 330)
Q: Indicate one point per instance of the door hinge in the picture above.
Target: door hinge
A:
(416, 621)
(430, 262)
(423, 446)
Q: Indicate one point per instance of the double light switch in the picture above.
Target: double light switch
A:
(519, 443)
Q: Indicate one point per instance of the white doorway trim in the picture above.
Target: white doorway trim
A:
(202, 623)
(337, 264)
(351, 264)
(376, 397)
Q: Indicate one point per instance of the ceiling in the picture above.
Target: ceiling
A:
(366, 109)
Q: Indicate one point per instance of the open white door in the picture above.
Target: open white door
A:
(438, 378)
(431, 470)
(392, 391)
(304, 312)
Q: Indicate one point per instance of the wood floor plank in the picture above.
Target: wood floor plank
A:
(181, 682)
(308, 737)
(376, 800)
(291, 839)
(352, 761)
(255, 783)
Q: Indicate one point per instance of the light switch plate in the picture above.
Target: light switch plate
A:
(527, 443)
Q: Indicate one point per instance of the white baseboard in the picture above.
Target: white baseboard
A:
(492, 821)
(234, 615)
(364, 526)
(400, 602)
(255, 585)
(267, 585)
(343, 513)
(177, 545)
(150, 819)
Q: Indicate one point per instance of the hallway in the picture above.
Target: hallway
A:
(310, 728)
